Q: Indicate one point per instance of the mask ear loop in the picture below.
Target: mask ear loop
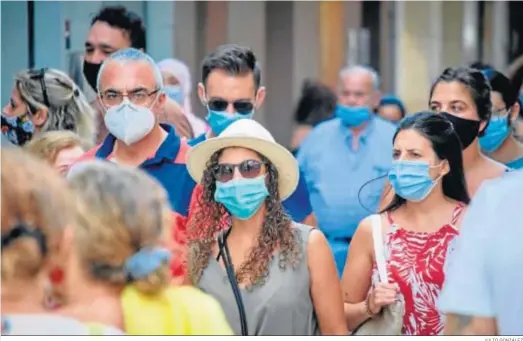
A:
(205, 101)
(434, 182)
(441, 175)
(157, 94)
(510, 124)
(255, 102)
(30, 112)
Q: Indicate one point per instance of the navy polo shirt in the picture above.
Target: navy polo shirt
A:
(167, 166)
(298, 205)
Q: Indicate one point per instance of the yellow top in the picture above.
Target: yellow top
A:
(181, 310)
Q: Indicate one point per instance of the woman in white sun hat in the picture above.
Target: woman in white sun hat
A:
(272, 276)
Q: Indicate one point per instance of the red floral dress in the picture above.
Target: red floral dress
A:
(416, 262)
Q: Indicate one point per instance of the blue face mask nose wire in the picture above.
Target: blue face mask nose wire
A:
(224, 251)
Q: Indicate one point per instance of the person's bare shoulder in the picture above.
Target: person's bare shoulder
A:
(365, 226)
(363, 234)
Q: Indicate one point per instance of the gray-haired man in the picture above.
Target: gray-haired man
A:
(130, 91)
(341, 155)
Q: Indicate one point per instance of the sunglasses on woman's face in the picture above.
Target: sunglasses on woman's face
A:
(241, 106)
(248, 169)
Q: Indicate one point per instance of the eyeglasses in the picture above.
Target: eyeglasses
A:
(39, 74)
(249, 169)
(241, 106)
(138, 97)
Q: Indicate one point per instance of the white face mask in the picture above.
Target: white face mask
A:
(129, 122)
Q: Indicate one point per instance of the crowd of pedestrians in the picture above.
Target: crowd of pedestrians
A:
(123, 212)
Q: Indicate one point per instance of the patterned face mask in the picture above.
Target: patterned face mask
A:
(19, 129)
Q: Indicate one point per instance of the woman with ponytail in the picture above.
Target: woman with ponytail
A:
(117, 272)
(38, 212)
(46, 100)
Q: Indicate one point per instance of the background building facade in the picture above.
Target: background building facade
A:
(409, 43)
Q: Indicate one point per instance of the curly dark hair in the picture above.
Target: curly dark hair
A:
(277, 231)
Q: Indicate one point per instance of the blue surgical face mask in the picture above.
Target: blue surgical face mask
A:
(242, 197)
(352, 116)
(497, 132)
(175, 93)
(220, 120)
(411, 179)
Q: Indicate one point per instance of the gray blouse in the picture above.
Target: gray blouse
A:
(281, 306)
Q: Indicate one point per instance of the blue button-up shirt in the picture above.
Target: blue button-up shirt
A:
(335, 173)
(484, 276)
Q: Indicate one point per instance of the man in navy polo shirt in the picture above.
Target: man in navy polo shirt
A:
(130, 91)
(230, 90)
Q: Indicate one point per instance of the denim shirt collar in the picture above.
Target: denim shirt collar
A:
(363, 135)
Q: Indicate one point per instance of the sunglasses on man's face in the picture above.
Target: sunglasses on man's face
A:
(241, 106)
(248, 169)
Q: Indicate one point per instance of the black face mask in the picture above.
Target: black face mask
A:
(91, 73)
(467, 130)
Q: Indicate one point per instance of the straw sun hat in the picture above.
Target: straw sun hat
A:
(247, 133)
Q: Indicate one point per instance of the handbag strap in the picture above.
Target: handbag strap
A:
(377, 238)
(222, 244)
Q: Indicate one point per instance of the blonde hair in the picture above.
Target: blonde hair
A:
(67, 107)
(125, 211)
(47, 145)
(35, 197)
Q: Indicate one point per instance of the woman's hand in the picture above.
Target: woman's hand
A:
(382, 295)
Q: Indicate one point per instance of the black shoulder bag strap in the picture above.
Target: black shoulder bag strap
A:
(224, 251)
